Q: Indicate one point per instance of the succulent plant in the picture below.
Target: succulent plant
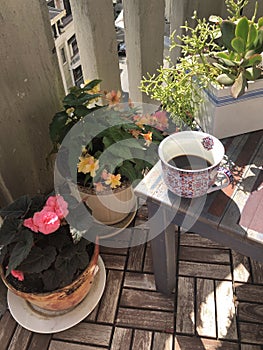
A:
(241, 59)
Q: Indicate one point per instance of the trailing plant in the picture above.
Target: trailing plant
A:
(218, 52)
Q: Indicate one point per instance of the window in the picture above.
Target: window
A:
(67, 7)
(51, 3)
(63, 55)
(78, 77)
(72, 42)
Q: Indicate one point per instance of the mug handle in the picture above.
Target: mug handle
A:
(228, 177)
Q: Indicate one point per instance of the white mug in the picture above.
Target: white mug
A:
(191, 163)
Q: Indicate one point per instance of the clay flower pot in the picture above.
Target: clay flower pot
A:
(110, 208)
(63, 299)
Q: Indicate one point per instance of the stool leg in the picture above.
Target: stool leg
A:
(164, 245)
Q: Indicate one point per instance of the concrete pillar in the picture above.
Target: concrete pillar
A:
(144, 35)
(31, 91)
(96, 37)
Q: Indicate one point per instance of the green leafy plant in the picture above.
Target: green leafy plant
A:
(38, 252)
(218, 52)
(126, 147)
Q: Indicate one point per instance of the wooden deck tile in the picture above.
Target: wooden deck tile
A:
(250, 347)
(162, 341)
(193, 269)
(241, 268)
(87, 333)
(7, 328)
(116, 262)
(58, 345)
(20, 339)
(39, 341)
(198, 254)
(185, 313)
(139, 280)
(226, 316)
(136, 257)
(109, 301)
(249, 292)
(195, 343)
(257, 271)
(250, 312)
(251, 333)
(146, 319)
(142, 340)
(148, 264)
(121, 339)
(194, 240)
(146, 300)
(205, 308)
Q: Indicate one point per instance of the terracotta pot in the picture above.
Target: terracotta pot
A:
(110, 208)
(63, 299)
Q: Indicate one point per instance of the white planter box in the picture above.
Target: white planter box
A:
(222, 116)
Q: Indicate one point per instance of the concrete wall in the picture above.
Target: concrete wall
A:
(31, 91)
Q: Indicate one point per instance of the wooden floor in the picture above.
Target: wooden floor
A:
(218, 304)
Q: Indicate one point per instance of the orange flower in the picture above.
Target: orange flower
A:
(88, 165)
(104, 174)
(135, 133)
(99, 186)
(113, 180)
(148, 138)
(113, 97)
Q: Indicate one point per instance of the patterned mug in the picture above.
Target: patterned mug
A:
(191, 163)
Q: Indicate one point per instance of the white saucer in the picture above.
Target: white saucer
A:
(35, 322)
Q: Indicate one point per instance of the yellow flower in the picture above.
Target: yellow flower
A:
(113, 180)
(94, 90)
(113, 97)
(88, 165)
(148, 138)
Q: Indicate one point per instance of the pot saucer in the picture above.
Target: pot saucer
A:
(120, 226)
(37, 322)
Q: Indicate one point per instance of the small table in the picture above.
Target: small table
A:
(232, 217)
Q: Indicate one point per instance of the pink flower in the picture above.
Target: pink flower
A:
(18, 274)
(30, 224)
(46, 221)
(58, 205)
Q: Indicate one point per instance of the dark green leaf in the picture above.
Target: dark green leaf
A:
(3, 251)
(58, 127)
(51, 279)
(228, 33)
(20, 250)
(16, 208)
(253, 61)
(239, 45)
(242, 29)
(252, 36)
(9, 231)
(38, 259)
(129, 171)
(253, 73)
(92, 84)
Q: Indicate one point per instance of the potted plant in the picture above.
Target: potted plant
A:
(117, 145)
(42, 259)
(219, 74)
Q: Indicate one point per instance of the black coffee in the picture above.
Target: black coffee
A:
(190, 162)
